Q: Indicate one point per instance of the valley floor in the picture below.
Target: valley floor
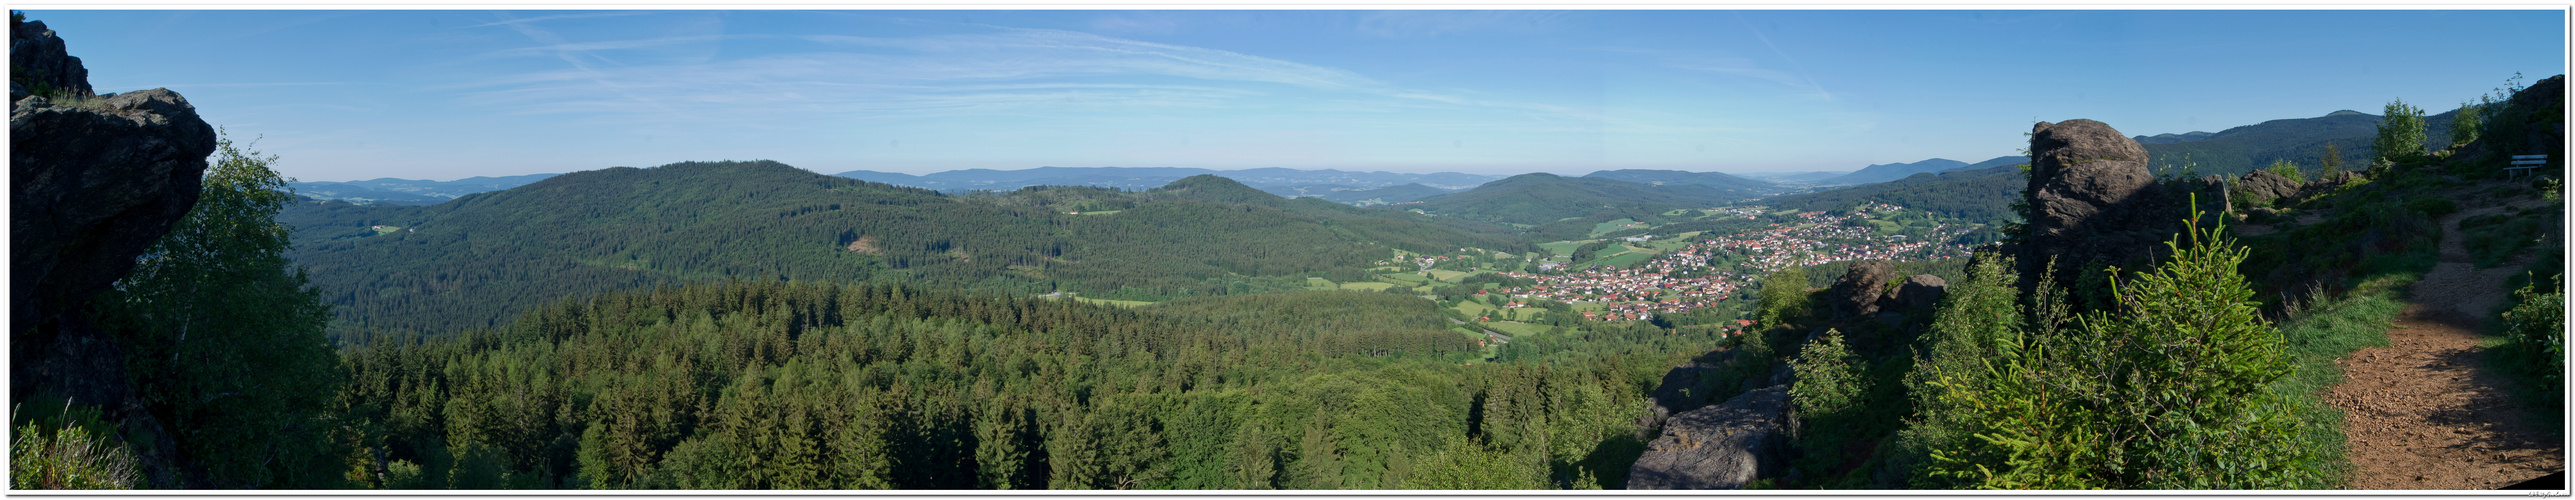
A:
(2425, 412)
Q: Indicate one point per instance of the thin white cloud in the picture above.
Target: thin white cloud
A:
(1042, 52)
(1432, 23)
(998, 71)
(554, 17)
(1783, 55)
(613, 45)
(1745, 68)
(251, 84)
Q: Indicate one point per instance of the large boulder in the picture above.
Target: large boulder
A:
(95, 181)
(94, 184)
(2322, 185)
(1720, 447)
(1920, 291)
(2262, 187)
(2092, 201)
(1687, 387)
(1859, 290)
(38, 57)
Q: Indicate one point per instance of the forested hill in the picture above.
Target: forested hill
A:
(1541, 198)
(1981, 195)
(2237, 150)
(472, 261)
(1893, 171)
(768, 385)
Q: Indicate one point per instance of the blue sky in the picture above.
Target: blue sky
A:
(347, 95)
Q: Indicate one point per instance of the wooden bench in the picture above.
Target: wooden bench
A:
(2526, 162)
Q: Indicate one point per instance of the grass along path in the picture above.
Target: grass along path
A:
(2423, 413)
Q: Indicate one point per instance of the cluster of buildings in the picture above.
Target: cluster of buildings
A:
(1686, 279)
(1423, 262)
(1824, 237)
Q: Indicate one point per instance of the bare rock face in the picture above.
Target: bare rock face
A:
(1920, 291)
(94, 185)
(1684, 388)
(2262, 186)
(95, 181)
(2322, 185)
(1858, 292)
(2092, 200)
(36, 55)
(1720, 447)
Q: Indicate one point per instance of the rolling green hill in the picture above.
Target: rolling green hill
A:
(473, 261)
(1540, 198)
(1982, 195)
(2242, 149)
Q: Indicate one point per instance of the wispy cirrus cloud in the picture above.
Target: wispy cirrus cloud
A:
(987, 71)
(538, 19)
(1431, 23)
(614, 45)
(1023, 52)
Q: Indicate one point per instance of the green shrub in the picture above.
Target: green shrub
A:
(2492, 238)
(2535, 332)
(1972, 324)
(1783, 297)
(68, 458)
(1829, 380)
(2400, 133)
(2287, 169)
(2169, 390)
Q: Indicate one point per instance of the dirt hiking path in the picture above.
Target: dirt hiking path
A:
(2422, 413)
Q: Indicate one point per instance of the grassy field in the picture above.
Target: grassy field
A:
(1475, 309)
(1447, 275)
(384, 230)
(1675, 243)
(1102, 212)
(1366, 285)
(1598, 229)
(1406, 279)
(1108, 302)
(1625, 259)
(1113, 302)
(1562, 248)
(1320, 284)
(1517, 329)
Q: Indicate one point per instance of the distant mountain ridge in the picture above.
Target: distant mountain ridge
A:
(2242, 149)
(1540, 198)
(1140, 178)
(1360, 196)
(394, 191)
(1717, 180)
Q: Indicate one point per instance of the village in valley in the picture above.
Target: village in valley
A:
(1634, 271)
(1636, 277)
